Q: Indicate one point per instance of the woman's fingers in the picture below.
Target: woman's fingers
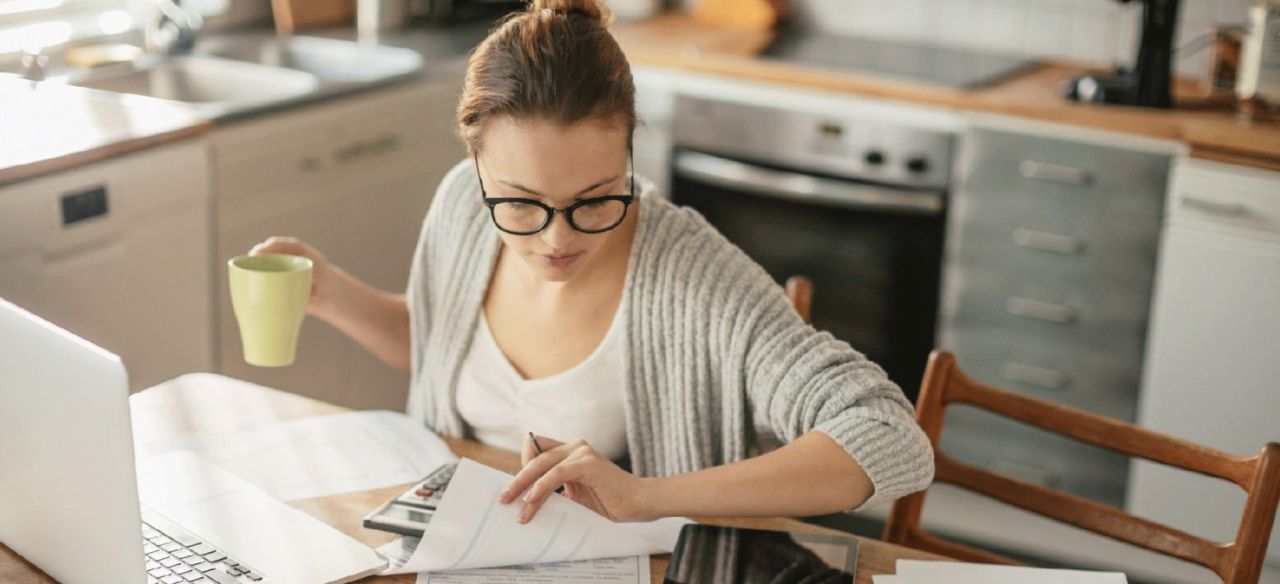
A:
(528, 451)
(567, 471)
(534, 470)
(285, 244)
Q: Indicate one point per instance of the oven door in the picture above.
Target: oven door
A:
(873, 252)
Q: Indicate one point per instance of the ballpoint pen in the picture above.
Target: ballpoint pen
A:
(536, 446)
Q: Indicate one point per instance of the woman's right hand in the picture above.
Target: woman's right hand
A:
(322, 271)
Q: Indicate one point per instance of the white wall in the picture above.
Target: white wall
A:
(1102, 31)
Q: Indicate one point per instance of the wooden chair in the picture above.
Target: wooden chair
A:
(1236, 562)
(800, 291)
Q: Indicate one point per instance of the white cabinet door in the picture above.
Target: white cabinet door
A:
(1213, 365)
(354, 178)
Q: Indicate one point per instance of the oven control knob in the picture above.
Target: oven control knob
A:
(874, 157)
(918, 165)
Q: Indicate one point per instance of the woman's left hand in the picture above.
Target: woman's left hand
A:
(588, 478)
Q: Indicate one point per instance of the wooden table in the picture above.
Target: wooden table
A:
(206, 402)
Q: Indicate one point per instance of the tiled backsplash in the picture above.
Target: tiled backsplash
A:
(1087, 30)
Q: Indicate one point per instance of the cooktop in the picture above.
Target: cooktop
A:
(948, 67)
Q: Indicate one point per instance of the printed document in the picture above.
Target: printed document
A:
(472, 530)
(624, 570)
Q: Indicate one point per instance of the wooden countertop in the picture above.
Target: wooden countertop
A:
(207, 402)
(677, 41)
(49, 127)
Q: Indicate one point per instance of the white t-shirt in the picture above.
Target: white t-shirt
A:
(586, 401)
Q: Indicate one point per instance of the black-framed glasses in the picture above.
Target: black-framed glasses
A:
(521, 216)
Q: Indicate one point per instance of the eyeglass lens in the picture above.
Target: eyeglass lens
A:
(525, 217)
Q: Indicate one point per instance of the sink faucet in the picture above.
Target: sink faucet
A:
(34, 63)
(174, 28)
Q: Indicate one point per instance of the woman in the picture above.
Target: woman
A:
(554, 293)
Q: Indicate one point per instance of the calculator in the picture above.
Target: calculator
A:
(411, 511)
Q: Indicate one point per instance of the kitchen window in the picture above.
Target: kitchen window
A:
(35, 25)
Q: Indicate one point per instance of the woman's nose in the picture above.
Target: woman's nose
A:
(559, 234)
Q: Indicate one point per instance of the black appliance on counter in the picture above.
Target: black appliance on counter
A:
(855, 202)
(1149, 83)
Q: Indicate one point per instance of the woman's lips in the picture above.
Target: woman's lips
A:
(559, 261)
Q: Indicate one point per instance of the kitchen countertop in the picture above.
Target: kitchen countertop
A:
(60, 126)
(50, 127)
(54, 126)
(677, 41)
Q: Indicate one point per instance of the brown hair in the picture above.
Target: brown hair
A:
(554, 61)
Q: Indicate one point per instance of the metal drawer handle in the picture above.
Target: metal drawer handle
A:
(1214, 207)
(1038, 376)
(309, 163)
(1045, 241)
(1040, 310)
(371, 147)
(1055, 173)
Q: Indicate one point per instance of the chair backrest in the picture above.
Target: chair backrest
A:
(1236, 562)
(800, 291)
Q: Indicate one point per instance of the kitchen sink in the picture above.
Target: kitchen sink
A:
(218, 83)
(239, 73)
(331, 60)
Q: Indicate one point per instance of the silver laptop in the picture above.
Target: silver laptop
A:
(69, 497)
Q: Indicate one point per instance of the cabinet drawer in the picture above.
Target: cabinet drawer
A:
(1244, 201)
(330, 142)
(1019, 451)
(1120, 252)
(1060, 174)
(384, 137)
(271, 162)
(1063, 310)
(1103, 382)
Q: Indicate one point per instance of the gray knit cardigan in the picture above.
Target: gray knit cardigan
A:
(718, 363)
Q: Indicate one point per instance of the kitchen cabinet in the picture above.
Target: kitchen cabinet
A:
(118, 252)
(354, 178)
(1213, 357)
(1048, 270)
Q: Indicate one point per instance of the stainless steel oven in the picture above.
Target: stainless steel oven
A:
(856, 205)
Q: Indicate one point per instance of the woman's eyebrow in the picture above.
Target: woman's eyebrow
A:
(593, 187)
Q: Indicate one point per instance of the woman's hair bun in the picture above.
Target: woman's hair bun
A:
(593, 9)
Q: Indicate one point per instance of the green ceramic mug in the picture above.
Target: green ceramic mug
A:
(269, 294)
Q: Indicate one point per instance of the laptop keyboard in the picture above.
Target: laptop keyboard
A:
(175, 556)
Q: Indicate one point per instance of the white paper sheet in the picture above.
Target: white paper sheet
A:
(921, 571)
(321, 456)
(624, 570)
(472, 530)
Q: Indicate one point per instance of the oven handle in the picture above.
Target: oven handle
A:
(792, 186)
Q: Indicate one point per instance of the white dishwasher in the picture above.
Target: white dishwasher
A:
(1212, 367)
(118, 252)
